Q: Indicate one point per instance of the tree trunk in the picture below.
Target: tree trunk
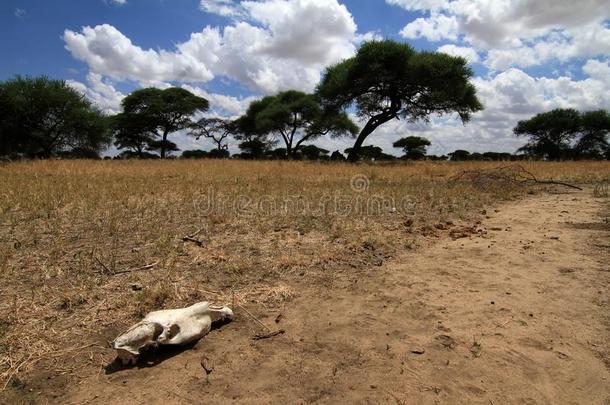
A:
(163, 146)
(368, 129)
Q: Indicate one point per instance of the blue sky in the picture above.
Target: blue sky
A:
(528, 55)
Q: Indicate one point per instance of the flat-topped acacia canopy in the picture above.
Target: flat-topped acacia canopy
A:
(387, 80)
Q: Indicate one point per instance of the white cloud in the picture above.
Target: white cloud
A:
(20, 13)
(222, 105)
(465, 52)
(287, 45)
(585, 42)
(434, 28)
(515, 32)
(100, 92)
(225, 8)
(108, 52)
(598, 70)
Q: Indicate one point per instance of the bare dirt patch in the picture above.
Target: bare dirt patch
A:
(410, 309)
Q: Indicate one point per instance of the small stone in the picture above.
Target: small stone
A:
(136, 287)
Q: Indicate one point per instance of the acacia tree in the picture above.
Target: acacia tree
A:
(388, 80)
(550, 134)
(133, 133)
(371, 152)
(167, 111)
(460, 155)
(595, 127)
(255, 148)
(217, 130)
(413, 146)
(312, 152)
(294, 117)
(40, 117)
(566, 133)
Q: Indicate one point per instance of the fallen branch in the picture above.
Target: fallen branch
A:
(259, 336)
(514, 174)
(106, 269)
(195, 241)
(255, 318)
(196, 233)
(147, 267)
(268, 335)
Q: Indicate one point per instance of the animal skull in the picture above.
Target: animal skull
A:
(169, 327)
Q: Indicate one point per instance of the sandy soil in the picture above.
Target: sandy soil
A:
(514, 313)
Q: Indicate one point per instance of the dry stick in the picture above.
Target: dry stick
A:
(548, 181)
(191, 237)
(267, 335)
(254, 318)
(195, 241)
(102, 264)
(196, 233)
(557, 183)
(147, 267)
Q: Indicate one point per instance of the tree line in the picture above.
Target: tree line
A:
(384, 81)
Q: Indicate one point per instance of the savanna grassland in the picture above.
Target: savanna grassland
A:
(88, 247)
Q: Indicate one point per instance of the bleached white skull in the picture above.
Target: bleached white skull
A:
(169, 327)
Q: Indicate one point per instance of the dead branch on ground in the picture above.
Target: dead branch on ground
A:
(513, 174)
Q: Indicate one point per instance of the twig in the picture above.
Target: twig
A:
(195, 241)
(559, 183)
(196, 233)
(255, 318)
(147, 267)
(268, 335)
(102, 264)
(191, 237)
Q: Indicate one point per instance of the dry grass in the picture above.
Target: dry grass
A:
(67, 227)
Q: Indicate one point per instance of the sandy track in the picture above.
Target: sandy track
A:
(515, 314)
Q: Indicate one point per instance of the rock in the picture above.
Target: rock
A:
(136, 286)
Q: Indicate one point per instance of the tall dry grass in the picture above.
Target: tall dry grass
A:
(67, 228)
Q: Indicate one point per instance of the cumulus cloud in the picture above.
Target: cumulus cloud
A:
(515, 32)
(598, 70)
(587, 41)
(225, 8)
(222, 105)
(434, 28)
(100, 92)
(108, 52)
(285, 44)
(465, 52)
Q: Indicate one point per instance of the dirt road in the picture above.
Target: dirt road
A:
(515, 313)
